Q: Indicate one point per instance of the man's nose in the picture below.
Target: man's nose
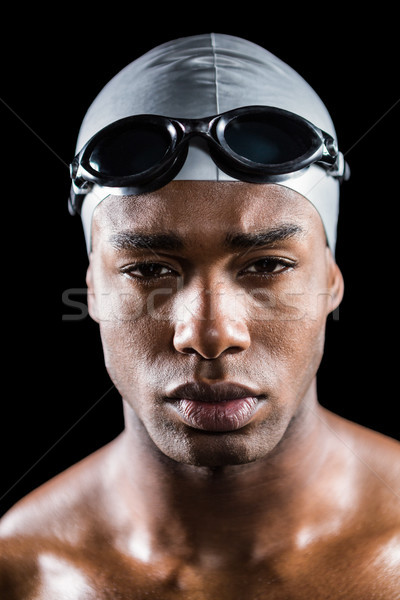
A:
(211, 322)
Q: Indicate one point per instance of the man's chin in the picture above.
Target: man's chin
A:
(217, 449)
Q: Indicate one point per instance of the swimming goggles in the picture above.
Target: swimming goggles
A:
(257, 144)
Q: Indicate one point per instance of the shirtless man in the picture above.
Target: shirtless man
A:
(211, 286)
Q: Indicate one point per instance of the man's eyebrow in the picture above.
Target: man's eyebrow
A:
(246, 241)
(127, 240)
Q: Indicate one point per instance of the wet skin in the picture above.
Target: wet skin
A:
(229, 480)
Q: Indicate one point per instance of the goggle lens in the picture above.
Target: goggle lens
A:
(130, 151)
(264, 143)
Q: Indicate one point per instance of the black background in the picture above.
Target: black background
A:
(57, 402)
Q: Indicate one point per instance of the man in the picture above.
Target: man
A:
(211, 242)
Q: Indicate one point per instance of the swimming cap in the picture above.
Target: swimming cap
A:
(202, 75)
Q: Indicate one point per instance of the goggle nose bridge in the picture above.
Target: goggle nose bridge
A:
(195, 127)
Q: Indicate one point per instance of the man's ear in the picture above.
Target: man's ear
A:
(91, 296)
(335, 282)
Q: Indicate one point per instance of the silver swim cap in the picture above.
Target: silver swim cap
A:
(197, 76)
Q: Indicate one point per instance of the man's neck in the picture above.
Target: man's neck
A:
(230, 513)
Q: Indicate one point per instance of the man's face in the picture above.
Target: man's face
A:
(207, 284)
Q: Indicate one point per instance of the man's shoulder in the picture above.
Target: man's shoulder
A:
(374, 459)
(40, 568)
(360, 546)
(371, 464)
(44, 533)
(45, 510)
(374, 452)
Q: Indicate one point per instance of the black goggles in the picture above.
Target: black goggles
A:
(257, 144)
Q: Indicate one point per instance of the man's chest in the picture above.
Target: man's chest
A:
(119, 578)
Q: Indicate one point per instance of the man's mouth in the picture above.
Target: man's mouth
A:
(220, 407)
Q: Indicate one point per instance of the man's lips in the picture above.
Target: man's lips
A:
(218, 407)
(218, 392)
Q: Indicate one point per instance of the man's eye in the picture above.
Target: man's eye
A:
(268, 266)
(147, 270)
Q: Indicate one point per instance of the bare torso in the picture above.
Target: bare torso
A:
(65, 542)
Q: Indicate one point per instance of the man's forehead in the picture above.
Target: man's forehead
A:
(186, 207)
